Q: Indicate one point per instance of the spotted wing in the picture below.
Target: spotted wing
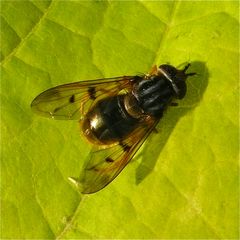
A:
(72, 101)
(104, 165)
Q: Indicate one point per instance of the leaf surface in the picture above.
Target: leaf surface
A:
(183, 183)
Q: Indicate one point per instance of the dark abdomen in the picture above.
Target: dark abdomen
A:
(108, 122)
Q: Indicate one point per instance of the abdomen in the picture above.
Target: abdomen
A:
(108, 122)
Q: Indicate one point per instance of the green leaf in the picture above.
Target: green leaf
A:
(183, 183)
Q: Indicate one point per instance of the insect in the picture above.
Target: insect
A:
(116, 115)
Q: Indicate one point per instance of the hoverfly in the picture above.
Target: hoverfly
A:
(116, 115)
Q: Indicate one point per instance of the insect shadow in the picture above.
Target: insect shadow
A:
(156, 142)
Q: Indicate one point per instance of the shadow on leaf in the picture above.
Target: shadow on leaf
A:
(156, 142)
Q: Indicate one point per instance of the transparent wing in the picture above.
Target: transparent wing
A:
(72, 101)
(104, 165)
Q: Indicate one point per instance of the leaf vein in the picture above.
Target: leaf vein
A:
(24, 40)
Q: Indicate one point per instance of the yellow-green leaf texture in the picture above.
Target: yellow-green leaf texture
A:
(183, 183)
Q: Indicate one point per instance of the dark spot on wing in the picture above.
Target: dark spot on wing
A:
(92, 92)
(125, 147)
(109, 160)
(94, 168)
(72, 99)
